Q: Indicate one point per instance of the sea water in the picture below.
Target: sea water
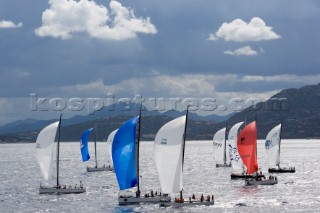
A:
(20, 178)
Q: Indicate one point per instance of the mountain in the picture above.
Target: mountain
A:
(297, 109)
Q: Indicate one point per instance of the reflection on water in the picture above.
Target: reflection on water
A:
(20, 178)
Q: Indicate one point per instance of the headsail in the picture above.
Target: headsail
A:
(44, 146)
(168, 148)
(124, 154)
(236, 162)
(219, 146)
(272, 146)
(109, 147)
(84, 145)
(247, 147)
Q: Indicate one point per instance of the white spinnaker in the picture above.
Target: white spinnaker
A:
(272, 146)
(168, 146)
(236, 162)
(44, 147)
(219, 145)
(109, 147)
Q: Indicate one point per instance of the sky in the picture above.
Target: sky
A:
(64, 49)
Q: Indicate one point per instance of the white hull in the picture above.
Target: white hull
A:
(222, 165)
(260, 182)
(192, 203)
(98, 169)
(137, 200)
(54, 190)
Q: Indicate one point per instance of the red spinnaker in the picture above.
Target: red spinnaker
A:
(247, 147)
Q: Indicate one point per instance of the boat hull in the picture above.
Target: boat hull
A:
(281, 170)
(222, 165)
(98, 169)
(136, 200)
(192, 203)
(54, 190)
(242, 176)
(261, 182)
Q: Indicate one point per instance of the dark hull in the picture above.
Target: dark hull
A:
(281, 170)
(98, 169)
(241, 176)
(192, 203)
(261, 182)
(223, 165)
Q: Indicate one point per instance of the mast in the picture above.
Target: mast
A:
(137, 151)
(58, 149)
(184, 143)
(280, 143)
(95, 145)
(225, 147)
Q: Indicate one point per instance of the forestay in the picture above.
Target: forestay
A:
(168, 149)
(236, 162)
(124, 154)
(272, 146)
(219, 146)
(109, 146)
(44, 147)
(84, 145)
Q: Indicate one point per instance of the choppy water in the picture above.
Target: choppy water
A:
(298, 192)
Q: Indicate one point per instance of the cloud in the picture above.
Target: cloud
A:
(65, 17)
(9, 24)
(238, 31)
(247, 50)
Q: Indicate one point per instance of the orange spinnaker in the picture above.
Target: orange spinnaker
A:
(247, 147)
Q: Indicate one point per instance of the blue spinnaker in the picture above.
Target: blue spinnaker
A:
(124, 154)
(84, 145)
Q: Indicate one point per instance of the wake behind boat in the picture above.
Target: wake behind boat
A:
(220, 147)
(125, 154)
(169, 148)
(273, 145)
(247, 147)
(44, 147)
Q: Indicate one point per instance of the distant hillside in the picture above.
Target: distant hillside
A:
(297, 109)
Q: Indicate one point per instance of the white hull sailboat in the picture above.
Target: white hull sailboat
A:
(44, 147)
(220, 147)
(85, 152)
(273, 145)
(125, 155)
(169, 149)
(247, 148)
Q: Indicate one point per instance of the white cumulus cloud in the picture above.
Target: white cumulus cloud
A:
(247, 50)
(65, 17)
(9, 24)
(238, 30)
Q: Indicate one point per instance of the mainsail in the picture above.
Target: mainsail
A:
(219, 146)
(124, 154)
(272, 146)
(247, 147)
(168, 148)
(84, 145)
(236, 162)
(109, 147)
(44, 147)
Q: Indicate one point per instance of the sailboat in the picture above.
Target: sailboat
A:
(220, 147)
(109, 148)
(44, 149)
(247, 148)
(272, 145)
(125, 155)
(169, 148)
(85, 152)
